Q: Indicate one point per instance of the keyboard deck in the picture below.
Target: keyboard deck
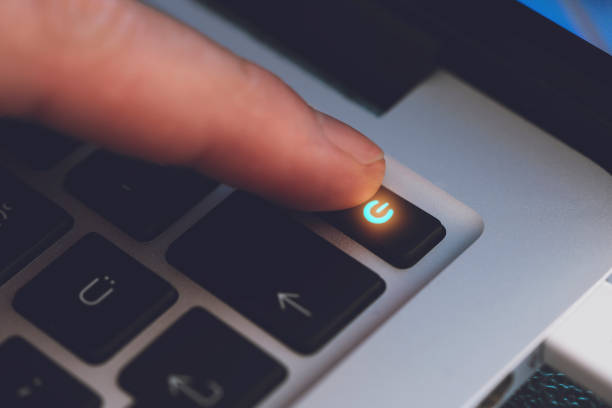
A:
(126, 283)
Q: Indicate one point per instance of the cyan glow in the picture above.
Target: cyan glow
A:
(375, 218)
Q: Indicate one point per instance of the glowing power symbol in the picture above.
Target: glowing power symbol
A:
(374, 217)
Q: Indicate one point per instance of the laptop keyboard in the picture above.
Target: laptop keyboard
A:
(550, 388)
(94, 297)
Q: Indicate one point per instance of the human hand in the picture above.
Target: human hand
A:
(130, 79)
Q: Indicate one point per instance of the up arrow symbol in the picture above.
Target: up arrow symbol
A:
(285, 299)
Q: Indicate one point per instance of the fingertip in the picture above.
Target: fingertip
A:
(357, 190)
(230, 119)
(351, 141)
(349, 171)
(344, 189)
(374, 175)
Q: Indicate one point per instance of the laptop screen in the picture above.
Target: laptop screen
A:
(589, 19)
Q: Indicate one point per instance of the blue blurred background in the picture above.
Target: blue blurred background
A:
(590, 19)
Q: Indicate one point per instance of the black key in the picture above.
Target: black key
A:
(94, 299)
(391, 227)
(275, 271)
(31, 380)
(41, 148)
(201, 362)
(29, 223)
(141, 198)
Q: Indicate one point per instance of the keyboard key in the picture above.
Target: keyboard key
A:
(31, 380)
(276, 272)
(94, 299)
(140, 198)
(29, 223)
(201, 362)
(391, 227)
(39, 147)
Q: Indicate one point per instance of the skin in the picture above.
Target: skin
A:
(126, 77)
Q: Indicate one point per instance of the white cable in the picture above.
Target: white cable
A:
(580, 344)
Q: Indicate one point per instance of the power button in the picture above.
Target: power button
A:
(391, 227)
(376, 214)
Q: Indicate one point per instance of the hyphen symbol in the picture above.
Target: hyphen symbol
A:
(377, 216)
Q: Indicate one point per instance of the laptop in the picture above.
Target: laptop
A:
(147, 286)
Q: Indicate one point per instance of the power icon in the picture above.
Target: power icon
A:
(376, 216)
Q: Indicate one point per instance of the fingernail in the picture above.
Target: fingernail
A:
(349, 140)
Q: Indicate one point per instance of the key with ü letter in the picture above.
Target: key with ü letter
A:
(391, 227)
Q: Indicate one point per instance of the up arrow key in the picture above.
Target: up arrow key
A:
(285, 299)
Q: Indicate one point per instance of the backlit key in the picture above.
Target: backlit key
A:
(391, 227)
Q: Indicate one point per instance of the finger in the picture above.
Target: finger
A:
(133, 80)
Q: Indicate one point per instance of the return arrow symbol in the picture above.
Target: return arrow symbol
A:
(182, 384)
